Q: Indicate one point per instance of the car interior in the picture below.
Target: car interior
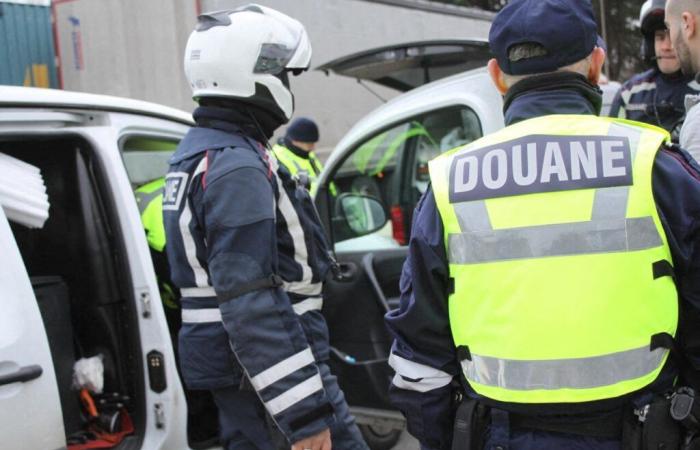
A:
(390, 166)
(76, 264)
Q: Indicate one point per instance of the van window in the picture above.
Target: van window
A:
(392, 166)
(146, 158)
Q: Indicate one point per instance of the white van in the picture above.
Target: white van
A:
(76, 278)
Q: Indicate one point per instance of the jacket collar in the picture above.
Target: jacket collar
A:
(557, 93)
(201, 139)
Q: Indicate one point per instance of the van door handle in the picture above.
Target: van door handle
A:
(24, 374)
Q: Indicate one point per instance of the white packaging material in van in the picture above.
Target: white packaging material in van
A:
(88, 373)
(23, 192)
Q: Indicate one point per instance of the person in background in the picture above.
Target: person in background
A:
(657, 95)
(683, 20)
(295, 151)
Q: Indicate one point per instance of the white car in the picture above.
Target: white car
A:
(449, 101)
(76, 278)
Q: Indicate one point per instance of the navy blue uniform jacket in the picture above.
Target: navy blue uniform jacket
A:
(232, 220)
(421, 327)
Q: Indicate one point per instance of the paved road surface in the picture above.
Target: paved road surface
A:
(407, 442)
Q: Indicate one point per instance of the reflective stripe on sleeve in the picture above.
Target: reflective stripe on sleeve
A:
(282, 369)
(197, 292)
(310, 304)
(205, 315)
(413, 376)
(301, 254)
(574, 373)
(200, 275)
(303, 287)
(294, 395)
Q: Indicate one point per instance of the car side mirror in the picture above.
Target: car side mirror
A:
(362, 214)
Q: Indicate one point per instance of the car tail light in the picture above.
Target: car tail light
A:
(398, 225)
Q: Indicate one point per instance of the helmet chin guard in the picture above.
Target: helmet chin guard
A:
(246, 54)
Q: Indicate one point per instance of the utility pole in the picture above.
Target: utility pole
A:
(604, 33)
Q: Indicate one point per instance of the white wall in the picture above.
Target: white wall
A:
(134, 48)
(131, 48)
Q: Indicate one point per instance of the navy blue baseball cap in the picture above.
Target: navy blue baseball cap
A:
(566, 29)
(302, 130)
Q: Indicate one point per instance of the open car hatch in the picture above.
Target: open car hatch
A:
(408, 66)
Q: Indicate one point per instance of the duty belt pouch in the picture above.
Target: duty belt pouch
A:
(631, 432)
(470, 425)
(659, 430)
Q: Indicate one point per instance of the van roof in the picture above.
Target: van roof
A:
(16, 96)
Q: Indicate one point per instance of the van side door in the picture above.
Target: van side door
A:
(30, 409)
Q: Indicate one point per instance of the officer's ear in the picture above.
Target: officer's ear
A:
(596, 67)
(497, 76)
(688, 24)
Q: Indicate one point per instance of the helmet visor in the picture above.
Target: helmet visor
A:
(273, 59)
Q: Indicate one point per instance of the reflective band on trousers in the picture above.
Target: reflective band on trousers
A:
(595, 236)
(575, 373)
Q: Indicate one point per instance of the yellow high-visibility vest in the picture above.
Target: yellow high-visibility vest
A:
(311, 166)
(149, 198)
(554, 245)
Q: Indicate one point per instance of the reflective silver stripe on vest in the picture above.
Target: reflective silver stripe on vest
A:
(607, 231)
(143, 199)
(578, 238)
(576, 373)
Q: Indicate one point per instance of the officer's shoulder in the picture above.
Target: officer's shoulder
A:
(228, 160)
(672, 158)
(643, 77)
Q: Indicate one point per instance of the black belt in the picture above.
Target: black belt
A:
(601, 425)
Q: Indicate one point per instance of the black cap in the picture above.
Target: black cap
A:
(565, 29)
(302, 130)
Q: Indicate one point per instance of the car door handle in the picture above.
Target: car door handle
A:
(368, 265)
(24, 374)
(346, 271)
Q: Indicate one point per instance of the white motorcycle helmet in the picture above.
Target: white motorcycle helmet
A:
(246, 54)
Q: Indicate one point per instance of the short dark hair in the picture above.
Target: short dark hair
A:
(526, 50)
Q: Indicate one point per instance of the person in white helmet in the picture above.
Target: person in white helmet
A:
(244, 248)
(657, 95)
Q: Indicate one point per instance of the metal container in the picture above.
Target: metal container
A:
(27, 51)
